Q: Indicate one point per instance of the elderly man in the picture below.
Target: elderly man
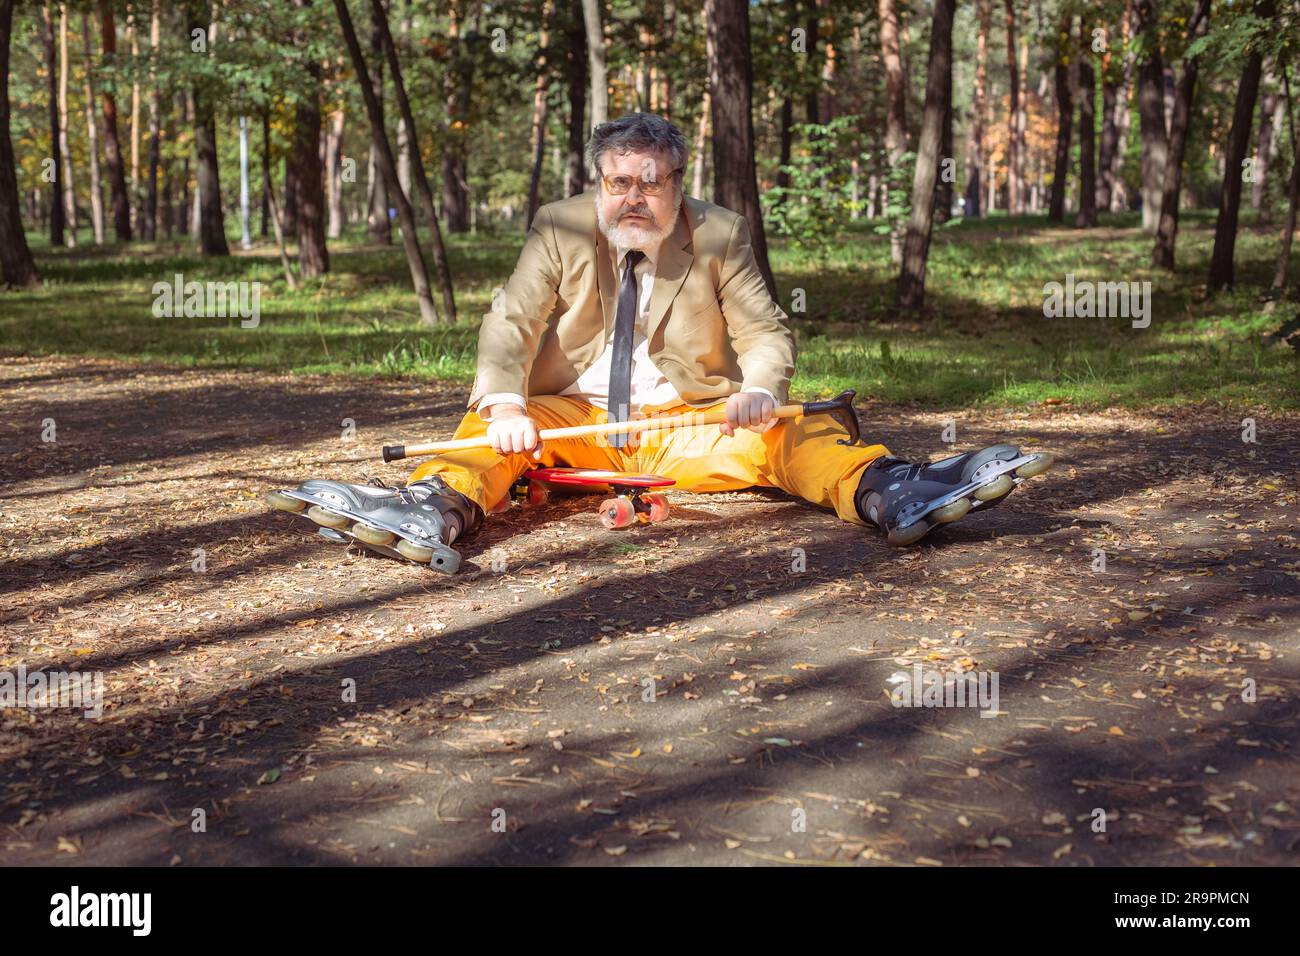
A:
(635, 299)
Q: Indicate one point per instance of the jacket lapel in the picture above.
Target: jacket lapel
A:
(606, 281)
(675, 257)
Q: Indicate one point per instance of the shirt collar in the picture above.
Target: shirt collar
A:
(651, 251)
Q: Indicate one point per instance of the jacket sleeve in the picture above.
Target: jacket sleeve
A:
(512, 329)
(758, 327)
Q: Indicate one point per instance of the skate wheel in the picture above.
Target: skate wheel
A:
(414, 552)
(617, 513)
(950, 512)
(538, 493)
(1040, 464)
(901, 538)
(328, 519)
(658, 506)
(996, 488)
(282, 502)
(364, 532)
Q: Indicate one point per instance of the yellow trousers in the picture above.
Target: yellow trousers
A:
(797, 455)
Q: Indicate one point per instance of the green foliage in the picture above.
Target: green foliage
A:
(818, 204)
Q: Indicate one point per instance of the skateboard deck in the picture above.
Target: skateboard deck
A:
(630, 505)
(596, 478)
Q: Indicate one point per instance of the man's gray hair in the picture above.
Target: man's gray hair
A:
(637, 133)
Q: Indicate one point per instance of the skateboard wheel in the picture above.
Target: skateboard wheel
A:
(538, 493)
(617, 513)
(658, 506)
(282, 502)
(327, 518)
(500, 506)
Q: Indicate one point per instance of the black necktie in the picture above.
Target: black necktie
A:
(620, 366)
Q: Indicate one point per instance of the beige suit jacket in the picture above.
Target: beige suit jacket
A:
(712, 329)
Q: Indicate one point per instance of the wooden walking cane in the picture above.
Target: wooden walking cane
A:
(840, 408)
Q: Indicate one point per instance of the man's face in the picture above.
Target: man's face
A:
(635, 219)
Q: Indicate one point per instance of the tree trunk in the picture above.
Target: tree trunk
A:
(538, 139)
(149, 222)
(916, 248)
(421, 180)
(1225, 228)
(377, 222)
(1064, 113)
(984, 13)
(92, 140)
(895, 114)
(1293, 195)
(211, 216)
(1167, 232)
(334, 173)
(947, 162)
(52, 88)
(17, 268)
(1015, 202)
(1151, 115)
(1119, 200)
(1109, 137)
(266, 170)
(388, 168)
(184, 214)
(1087, 216)
(735, 185)
(66, 170)
(827, 88)
(1268, 102)
(701, 137)
(457, 84)
(112, 147)
(313, 255)
(133, 187)
(592, 21)
(811, 107)
(576, 70)
(165, 195)
(403, 131)
(1022, 117)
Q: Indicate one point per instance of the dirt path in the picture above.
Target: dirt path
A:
(505, 715)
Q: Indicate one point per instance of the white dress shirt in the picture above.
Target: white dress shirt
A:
(650, 389)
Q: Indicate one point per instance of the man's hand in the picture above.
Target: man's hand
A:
(512, 432)
(752, 410)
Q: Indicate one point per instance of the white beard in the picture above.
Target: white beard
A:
(632, 235)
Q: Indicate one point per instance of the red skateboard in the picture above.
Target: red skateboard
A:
(631, 502)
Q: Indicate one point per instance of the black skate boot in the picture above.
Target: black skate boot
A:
(906, 500)
(418, 523)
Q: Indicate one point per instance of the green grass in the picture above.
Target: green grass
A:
(982, 338)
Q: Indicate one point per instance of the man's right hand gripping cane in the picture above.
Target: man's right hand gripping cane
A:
(512, 432)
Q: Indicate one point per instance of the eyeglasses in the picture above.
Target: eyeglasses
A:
(619, 185)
